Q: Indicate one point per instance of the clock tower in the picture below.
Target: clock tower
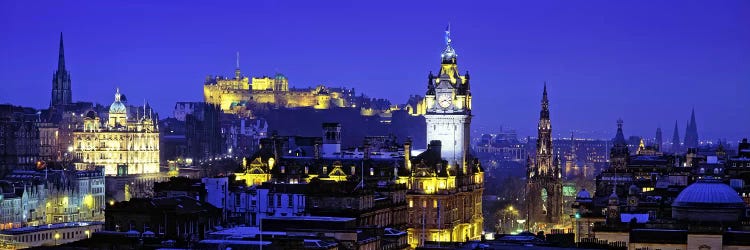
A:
(448, 102)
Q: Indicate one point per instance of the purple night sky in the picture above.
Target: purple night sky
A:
(647, 62)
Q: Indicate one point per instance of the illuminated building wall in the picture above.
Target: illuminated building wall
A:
(124, 145)
(33, 198)
(48, 141)
(241, 95)
(446, 183)
(444, 207)
(15, 205)
(228, 93)
(81, 200)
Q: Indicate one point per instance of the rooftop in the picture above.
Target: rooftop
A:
(22, 230)
(709, 193)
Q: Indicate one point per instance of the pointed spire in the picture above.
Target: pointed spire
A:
(691, 132)
(687, 135)
(117, 94)
(61, 56)
(545, 103)
(237, 73)
(676, 138)
(61, 92)
(448, 35)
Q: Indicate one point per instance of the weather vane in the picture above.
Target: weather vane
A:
(448, 34)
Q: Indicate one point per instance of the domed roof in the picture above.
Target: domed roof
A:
(708, 193)
(117, 107)
(91, 114)
(279, 76)
(633, 190)
(583, 194)
(449, 54)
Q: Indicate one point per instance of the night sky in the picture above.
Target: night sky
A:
(647, 62)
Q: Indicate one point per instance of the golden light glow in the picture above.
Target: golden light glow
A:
(132, 142)
(88, 200)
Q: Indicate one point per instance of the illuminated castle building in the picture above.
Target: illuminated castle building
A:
(122, 145)
(242, 95)
(231, 94)
(445, 182)
(544, 186)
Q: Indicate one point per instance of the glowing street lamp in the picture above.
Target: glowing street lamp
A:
(57, 237)
(520, 224)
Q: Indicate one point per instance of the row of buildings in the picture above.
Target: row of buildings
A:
(380, 194)
(645, 198)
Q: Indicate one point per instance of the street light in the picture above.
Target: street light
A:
(520, 223)
(57, 237)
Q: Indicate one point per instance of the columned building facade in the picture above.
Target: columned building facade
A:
(122, 145)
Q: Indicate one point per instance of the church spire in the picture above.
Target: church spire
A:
(691, 132)
(61, 55)
(61, 92)
(676, 139)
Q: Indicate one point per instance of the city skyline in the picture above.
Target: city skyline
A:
(650, 82)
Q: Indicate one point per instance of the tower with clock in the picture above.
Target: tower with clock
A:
(448, 103)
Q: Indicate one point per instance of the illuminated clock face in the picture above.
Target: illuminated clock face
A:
(444, 100)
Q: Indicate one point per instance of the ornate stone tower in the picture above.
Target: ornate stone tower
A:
(448, 102)
(61, 92)
(445, 182)
(620, 154)
(544, 185)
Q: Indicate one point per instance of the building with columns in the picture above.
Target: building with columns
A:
(122, 144)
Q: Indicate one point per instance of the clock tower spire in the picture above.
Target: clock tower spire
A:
(448, 100)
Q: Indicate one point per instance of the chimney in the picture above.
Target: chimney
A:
(366, 149)
(407, 153)
(435, 147)
(316, 148)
